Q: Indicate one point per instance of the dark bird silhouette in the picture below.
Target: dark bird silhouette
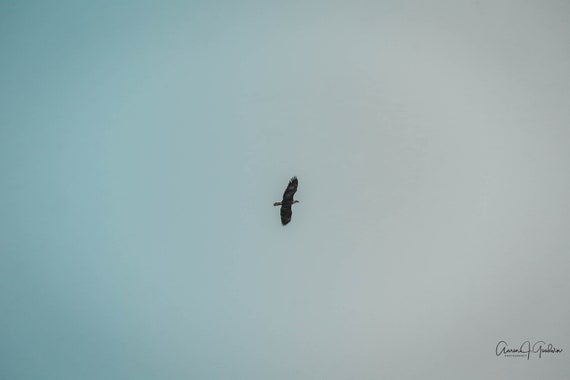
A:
(288, 201)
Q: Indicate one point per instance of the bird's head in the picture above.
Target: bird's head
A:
(295, 201)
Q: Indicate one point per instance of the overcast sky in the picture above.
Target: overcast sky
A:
(143, 143)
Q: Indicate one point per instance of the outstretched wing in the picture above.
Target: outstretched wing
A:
(289, 192)
(286, 214)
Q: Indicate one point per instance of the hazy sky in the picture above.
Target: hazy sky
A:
(142, 144)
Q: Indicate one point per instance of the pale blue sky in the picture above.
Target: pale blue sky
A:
(142, 145)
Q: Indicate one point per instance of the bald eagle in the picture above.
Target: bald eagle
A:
(288, 201)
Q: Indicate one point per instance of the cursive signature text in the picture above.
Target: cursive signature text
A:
(526, 349)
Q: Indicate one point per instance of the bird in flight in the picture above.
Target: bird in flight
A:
(288, 201)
